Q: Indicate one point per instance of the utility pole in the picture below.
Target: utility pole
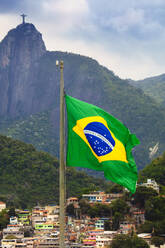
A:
(62, 162)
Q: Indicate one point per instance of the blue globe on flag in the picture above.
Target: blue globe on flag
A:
(99, 138)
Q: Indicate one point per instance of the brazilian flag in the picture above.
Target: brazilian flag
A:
(97, 140)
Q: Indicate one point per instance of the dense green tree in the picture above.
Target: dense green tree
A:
(114, 188)
(89, 189)
(158, 227)
(126, 241)
(143, 194)
(93, 211)
(120, 206)
(28, 232)
(96, 210)
(147, 227)
(104, 210)
(154, 214)
(155, 209)
(4, 219)
(116, 219)
(155, 170)
(99, 210)
(84, 206)
(11, 212)
(107, 225)
(70, 210)
(139, 242)
(157, 241)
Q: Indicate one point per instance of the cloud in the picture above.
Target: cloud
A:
(141, 18)
(63, 8)
(11, 6)
(66, 16)
(9, 22)
(127, 36)
(127, 20)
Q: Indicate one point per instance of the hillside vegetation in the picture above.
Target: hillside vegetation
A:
(88, 81)
(29, 177)
(35, 129)
(154, 87)
(155, 170)
(30, 87)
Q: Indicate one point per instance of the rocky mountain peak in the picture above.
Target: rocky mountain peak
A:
(20, 52)
(22, 45)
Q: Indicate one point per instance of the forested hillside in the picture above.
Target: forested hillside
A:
(155, 170)
(99, 86)
(29, 177)
(154, 87)
(29, 93)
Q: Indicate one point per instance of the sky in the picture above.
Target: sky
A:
(126, 36)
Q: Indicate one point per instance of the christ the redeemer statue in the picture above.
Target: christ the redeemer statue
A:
(23, 18)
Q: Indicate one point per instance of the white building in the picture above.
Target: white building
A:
(13, 230)
(13, 220)
(8, 243)
(151, 183)
(99, 224)
(2, 205)
(102, 242)
(93, 197)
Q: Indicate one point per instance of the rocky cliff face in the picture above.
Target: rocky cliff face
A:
(20, 51)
